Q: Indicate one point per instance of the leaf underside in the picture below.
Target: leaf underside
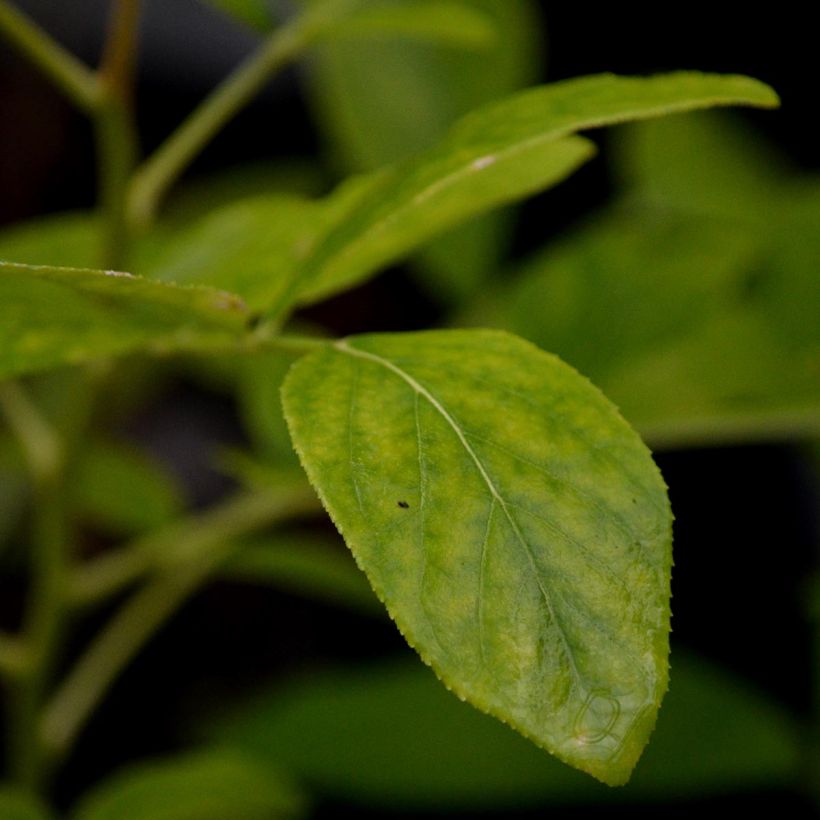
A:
(513, 524)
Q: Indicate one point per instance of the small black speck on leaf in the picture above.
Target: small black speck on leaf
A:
(403, 504)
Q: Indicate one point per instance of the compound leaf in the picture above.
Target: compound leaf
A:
(511, 521)
(54, 316)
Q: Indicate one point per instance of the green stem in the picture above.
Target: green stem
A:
(77, 81)
(201, 548)
(171, 546)
(115, 130)
(159, 172)
(40, 442)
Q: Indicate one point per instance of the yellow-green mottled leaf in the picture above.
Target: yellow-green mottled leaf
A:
(55, 316)
(340, 732)
(209, 785)
(495, 155)
(512, 522)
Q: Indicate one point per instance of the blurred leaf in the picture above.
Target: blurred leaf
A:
(16, 804)
(435, 21)
(255, 13)
(379, 117)
(705, 162)
(310, 565)
(122, 490)
(390, 735)
(209, 785)
(497, 154)
(55, 316)
(376, 118)
(731, 381)
(411, 437)
(254, 246)
(68, 240)
(260, 404)
(196, 198)
(249, 247)
(624, 283)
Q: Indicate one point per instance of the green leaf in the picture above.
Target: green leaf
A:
(15, 804)
(379, 102)
(495, 155)
(68, 239)
(513, 524)
(705, 162)
(249, 247)
(209, 785)
(390, 735)
(425, 197)
(255, 13)
(304, 564)
(122, 490)
(626, 282)
(55, 316)
(433, 21)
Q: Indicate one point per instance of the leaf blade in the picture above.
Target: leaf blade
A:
(404, 471)
(52, 316)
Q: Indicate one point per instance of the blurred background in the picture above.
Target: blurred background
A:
(333, 694)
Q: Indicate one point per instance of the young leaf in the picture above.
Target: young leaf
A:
(208, 785)
(54, 316)
(513, 524)
(495, 155)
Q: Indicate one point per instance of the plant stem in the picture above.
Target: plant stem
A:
(46, 457)
(202, 544)
(159, 172)
(77, 81)
(115, 130)
(171, 545)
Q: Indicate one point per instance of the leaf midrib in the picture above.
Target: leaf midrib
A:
(344, 347)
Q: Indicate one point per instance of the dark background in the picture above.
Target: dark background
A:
(744, 547)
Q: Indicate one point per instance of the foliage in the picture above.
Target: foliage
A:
(505, 513)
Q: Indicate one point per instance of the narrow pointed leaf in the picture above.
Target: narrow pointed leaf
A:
(500, 153)
(254, 13)
(56, 316)
(513, 524)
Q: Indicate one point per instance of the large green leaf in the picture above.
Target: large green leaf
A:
(513, 524)
(54, 316)
(390, 735)
(497, 154)
(209, 785)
